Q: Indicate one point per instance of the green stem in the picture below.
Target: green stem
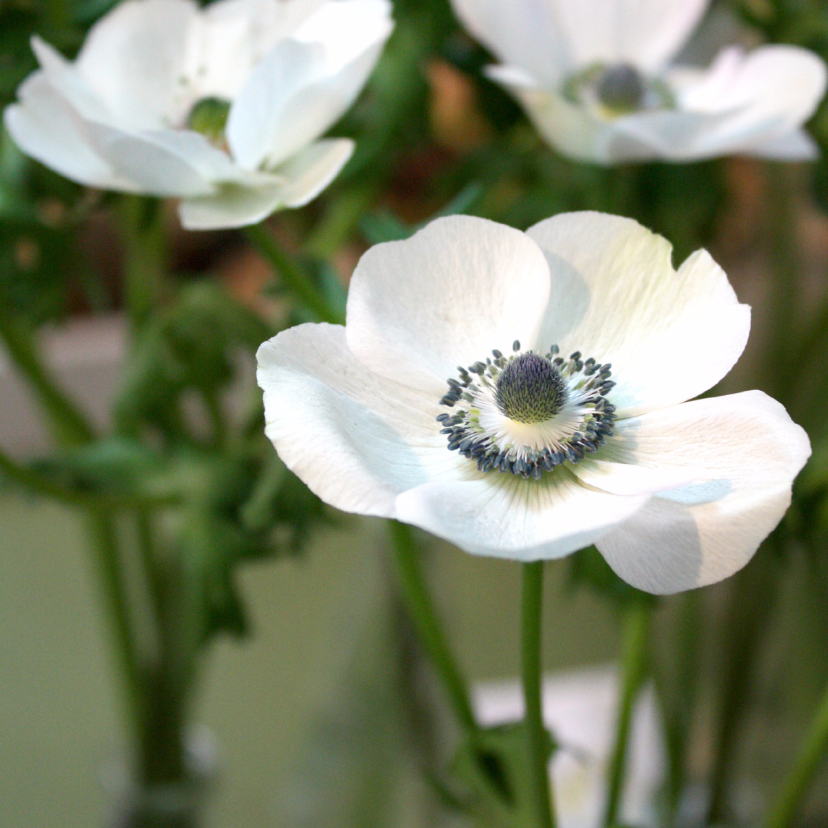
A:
(104, 542)
(145, 253)
(786, 266)
(635, 642)
(291, 274)
(424, 617)
(749, 606)
(798, 781)
(537, 741)
(68, 425)
(41, 485)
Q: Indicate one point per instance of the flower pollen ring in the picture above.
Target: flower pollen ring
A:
(526, 413)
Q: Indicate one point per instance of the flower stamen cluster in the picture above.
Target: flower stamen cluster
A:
(527, 414)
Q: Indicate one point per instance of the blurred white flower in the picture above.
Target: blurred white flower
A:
(411, 412)
(594, 77)
(221, 107)
(579, 708)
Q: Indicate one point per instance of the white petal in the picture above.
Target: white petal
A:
(257, 195)
(505, 516)
(307, 82)
(793, 146)
(356, 439)
(232, 205)
(749, 450)
(524, 33)
(644, 33)
(669, 335)
(255, 115)
(67, 82)
(45, 127)
(133, 60)
(312, 169)
(768, 94)
(161, 164)
(457, 289)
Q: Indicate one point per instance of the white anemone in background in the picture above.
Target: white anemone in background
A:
(595, 78)
(523, 395)
(221, 107)
(579, 708)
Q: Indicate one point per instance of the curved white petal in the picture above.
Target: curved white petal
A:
(45, 127)
(307, 82)
(669, 335)
(133, 60)
(357, 440)
(255, 196)
(505, 516)
(749, 452)
(67, 82)
(312, 169)
(255, 115)
(447, 296)
(644, 33)
(792, 146)
(162, 164)
(524, 33)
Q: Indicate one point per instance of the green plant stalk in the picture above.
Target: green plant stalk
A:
(423, 614)
(750, 603)
(537, 752)
(291, 274)
(145, 257)
(635, 655)
(67, 424)
(811, 757)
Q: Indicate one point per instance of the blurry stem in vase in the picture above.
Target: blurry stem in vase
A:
(537, 740)
(812, 756)
(634, 665)
(144, 237)
(292, 275)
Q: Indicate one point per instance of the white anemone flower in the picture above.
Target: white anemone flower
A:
(580, 709)
(595, 78)
(221, 107)
(524, 395)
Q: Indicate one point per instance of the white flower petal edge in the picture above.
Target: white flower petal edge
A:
(504, 517)
(293, 184)
(749, 450)
(445, 297)
(579, 707)
(669, 334)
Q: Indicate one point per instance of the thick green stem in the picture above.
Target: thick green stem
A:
(537, 743)
(749, 606)
(104, 541)
(145, 253)
(799, 779)
(68, 425)
(635, 643)
(291, 274)
(423, 614)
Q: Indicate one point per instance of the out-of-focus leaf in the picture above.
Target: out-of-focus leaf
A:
(588, 568)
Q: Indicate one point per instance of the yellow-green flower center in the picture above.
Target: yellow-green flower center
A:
(209, 117)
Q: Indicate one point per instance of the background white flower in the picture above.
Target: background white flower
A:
(579, 708)
(594, 77)
(679, 496)
(221, 107)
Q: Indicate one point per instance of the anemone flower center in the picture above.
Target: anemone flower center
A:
(527, 413)
(621, 87)
(209, 117)
(617, 89)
